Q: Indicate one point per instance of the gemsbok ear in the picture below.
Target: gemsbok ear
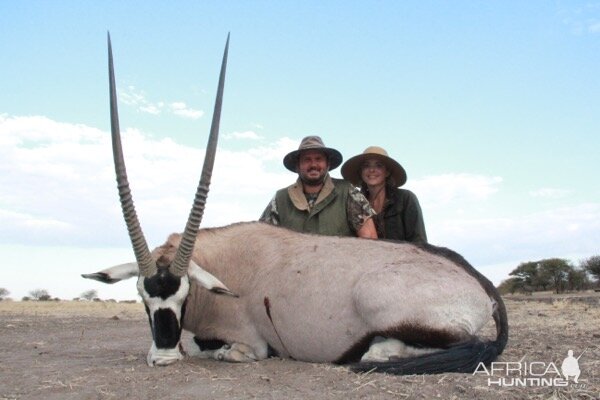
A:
(207, 280)
(116, 273)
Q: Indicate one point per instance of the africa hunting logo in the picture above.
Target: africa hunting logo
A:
(534, 373)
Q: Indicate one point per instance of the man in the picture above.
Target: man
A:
(316, 203)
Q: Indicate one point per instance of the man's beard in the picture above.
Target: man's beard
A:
(313, 181)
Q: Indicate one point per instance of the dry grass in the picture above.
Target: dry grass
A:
(73, 308)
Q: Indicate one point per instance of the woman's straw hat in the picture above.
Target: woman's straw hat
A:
(352, 168)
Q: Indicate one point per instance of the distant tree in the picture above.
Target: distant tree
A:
(89, 294)
(529, 276)
(3, 293)
(577, 279)
(592, 266)
(555, 270)
(510, 285)
(40, 294)
(525, 273)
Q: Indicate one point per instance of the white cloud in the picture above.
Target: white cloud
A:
(57, 187)
(274, 151)
(150, 109)
(133, 97)
(440, 190)
(550, 193)
(581, 19)
(594, 27)
(30, 222)
(251, 135)
(57, 183)
(550, 233)
(182, 110)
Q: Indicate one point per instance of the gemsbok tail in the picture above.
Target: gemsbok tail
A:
(462, 357)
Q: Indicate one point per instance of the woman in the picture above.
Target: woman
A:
(379, 176)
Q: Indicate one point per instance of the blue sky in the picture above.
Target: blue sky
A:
(491, 107)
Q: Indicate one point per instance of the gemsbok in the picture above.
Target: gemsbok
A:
(251, 290)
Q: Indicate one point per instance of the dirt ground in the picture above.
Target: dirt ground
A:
(75, 350)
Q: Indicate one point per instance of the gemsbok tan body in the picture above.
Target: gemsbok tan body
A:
(251, 290)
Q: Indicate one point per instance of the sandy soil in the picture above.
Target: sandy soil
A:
(74, 350)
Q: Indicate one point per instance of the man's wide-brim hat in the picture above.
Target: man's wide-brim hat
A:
(351, 170)
(290, 161)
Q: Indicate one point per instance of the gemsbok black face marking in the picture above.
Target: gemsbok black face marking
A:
(377, 305)
(163, 284)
